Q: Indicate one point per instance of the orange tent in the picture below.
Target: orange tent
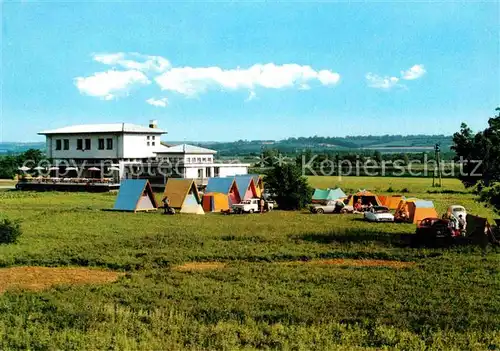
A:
(414, 210)
(391, 201)
(366, 198)
(215, 202)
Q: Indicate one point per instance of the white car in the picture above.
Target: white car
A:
(456, 211)
(379, 214)
(251, 206)
(329, 207)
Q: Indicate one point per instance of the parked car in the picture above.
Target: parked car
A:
(431, 230)
(251, 206)
(456, 211)
(379, 214)
(329, 207)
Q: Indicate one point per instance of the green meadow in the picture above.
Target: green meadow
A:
(282, 280)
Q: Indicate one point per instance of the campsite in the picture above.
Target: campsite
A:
(284, 279)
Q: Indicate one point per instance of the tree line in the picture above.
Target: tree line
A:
(9, 165)
(480, 153)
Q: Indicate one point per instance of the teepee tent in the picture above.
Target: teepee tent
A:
(215, 202)
(183, 195)
(259, 184)
(246, 187)
(225, 186)
(325, 195)
(135, 195)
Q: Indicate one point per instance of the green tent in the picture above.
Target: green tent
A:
(324, 195)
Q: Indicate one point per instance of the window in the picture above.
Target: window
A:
(198, 159)
(58, 144)
(200, 173)
(153, 143)
(204, 159)
(153, 137)
(109, 144)
(149, 143)
(79, 144)
(88, 144)
(101, 144)
(149, 137)
(66, 144)
(188, 160)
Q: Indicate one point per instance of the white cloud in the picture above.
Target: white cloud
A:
(108, 85)
(191, 80)
(158, 102)
(376, 81)
(251, 96)
(134, 61)
(414, 72)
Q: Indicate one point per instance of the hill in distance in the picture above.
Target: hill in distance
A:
(383, 143)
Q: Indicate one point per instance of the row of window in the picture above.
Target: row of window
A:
(85, 144)
(198, 159)
(189, 159)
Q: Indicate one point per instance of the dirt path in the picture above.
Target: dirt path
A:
(40, 278)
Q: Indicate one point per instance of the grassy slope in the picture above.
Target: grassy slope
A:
(450, 300)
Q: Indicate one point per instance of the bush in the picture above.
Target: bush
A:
(9, 231)
(289, 188)
(405, 190)
(390, 189)
(491, 195)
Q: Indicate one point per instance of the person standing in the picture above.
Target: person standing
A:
(462, 225)
(166, 204)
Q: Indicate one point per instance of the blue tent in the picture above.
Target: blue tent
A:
(219, 185)
(226, 186)
(246, 186)
(135, 195)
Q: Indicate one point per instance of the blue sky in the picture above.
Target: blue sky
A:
(228, 71)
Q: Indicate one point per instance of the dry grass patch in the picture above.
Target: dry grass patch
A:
(40, 278)
(199, 266)
(355, 263)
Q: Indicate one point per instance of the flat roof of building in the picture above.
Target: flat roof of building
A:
(104, 128)
(185, 149)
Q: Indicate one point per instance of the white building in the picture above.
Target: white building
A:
(198, 163)
(129, 148)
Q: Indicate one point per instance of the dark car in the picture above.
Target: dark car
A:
(433, 230)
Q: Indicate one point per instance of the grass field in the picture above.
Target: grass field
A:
(283, 280)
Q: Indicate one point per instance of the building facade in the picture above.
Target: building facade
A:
(128, 151)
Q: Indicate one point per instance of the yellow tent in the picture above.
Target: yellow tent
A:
(215, 202)
(183, 195)
(414, 210)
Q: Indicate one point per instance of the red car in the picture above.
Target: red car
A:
(430, 229)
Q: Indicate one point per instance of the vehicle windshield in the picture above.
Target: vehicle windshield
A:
(379, 209)
(246, 202)
(458, 209)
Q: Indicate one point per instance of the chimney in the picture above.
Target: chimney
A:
(153, 124)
